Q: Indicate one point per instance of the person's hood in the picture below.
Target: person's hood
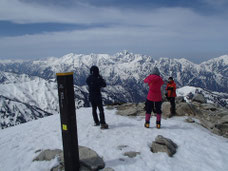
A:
(94, 70)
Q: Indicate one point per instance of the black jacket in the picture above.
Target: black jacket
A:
(95, 83)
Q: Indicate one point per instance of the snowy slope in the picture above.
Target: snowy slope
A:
(211, 97)
(198, 149)
(13, 112)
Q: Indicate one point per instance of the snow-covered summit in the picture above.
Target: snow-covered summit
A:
(198, 149)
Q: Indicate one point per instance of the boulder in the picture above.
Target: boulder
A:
(186, 109)
(48, 155)
(162, 144)
(131, 109)
(89, 159)
(166, 110)
(180, 99)
(182, 109)
(199, 98)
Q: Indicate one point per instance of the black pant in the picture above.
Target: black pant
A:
(98, 104)
(153, 106)
(173, 105)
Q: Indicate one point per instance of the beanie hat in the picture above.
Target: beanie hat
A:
(170, 78)
(155, 71)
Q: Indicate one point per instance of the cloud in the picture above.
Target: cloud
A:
(163, 31)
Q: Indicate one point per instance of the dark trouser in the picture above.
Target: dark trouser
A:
(98, 104)
(153, 106)
(173, 105)
(156, 108)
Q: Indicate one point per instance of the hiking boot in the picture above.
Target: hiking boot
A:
(104, 126)
(147, 125)
(158, 126)
(96, 123)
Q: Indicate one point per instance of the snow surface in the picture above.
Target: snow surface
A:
(198, 149)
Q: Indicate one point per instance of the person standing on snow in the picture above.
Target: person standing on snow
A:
(171, 94)
(95, 83)
(154, 97)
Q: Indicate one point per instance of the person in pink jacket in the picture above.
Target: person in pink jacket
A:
(154, 97)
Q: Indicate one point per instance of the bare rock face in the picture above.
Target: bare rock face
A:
(162, 144)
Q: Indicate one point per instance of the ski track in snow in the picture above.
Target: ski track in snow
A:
(198, 149)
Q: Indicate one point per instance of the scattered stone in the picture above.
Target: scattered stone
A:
(162, 144)
(121, 147)
(37, 151)
(89, 159)
(131, 154)
(199, 98)
(108, 169)
(121, 159)
(189, 120)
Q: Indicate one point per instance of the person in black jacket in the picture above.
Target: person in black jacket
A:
(95, 83)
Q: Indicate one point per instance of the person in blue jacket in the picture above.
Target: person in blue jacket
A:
(95, 83)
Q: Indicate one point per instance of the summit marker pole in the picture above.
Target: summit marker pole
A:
(68, 121)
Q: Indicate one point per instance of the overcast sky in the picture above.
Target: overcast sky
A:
(193, 29)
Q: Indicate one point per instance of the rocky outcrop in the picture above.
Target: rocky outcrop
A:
(199, 98)
(211, 116)
(131, 109)
(89, 159)
(162, 144)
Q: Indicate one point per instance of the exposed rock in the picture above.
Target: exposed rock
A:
(182, 109)
(48, 155)
(89, 159)
(180, 99)
(208, 106)
(121, 147)
(186, 109)
(131, 154)
(131, 109)
(199, 98)
(189, 120)
(162, 144)
(166, 110)
(209, 114)
(108, 169)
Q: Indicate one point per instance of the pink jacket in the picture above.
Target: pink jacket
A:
(155, 82)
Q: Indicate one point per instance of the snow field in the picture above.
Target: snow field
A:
(198, 149)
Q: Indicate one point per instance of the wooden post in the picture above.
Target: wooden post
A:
(68, 121)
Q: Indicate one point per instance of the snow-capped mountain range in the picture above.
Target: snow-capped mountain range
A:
(34, 82)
